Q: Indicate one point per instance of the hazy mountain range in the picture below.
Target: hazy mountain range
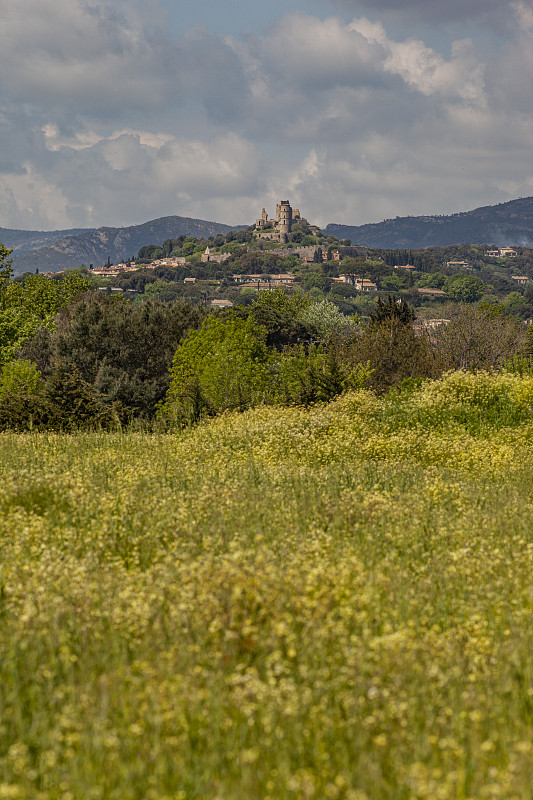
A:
(504, 224)
(67, 249)
(26, 241)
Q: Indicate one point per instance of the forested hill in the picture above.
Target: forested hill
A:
(23, 241)
(505, 224)
(96, 246)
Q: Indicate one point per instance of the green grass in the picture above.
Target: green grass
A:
(333, 603)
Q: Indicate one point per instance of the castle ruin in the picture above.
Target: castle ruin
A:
(279, 230)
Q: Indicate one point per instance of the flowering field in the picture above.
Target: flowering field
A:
(332, 603)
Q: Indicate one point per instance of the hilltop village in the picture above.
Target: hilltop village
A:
(289, 253)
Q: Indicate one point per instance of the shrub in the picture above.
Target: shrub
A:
(20, 377)
(225, 365)
(65, 403)
(394, 353)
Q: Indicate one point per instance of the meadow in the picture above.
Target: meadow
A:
(333, 602)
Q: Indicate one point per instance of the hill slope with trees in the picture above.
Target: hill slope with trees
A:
(20, 241)
(96, 246)
(503, 224)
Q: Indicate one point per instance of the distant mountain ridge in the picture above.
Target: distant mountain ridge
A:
(508, 223)
(21, 241)
(95, 246)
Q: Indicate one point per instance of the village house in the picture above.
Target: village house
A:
(172, 261)
(335, 255)
(361, 284)
(345, 277)
(502, 252)
(429, 326)
(282, 279)
(459, 265)
(221, 303)
(364, 285)
(432, 324)
(520, 279)
(108, 272)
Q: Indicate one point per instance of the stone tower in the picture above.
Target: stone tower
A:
(263, 221)
(284, 220)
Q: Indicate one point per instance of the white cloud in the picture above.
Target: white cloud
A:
(91, 56)
(123, 179)
(112, 122)
(32, 200)
(425, 70)
(490, 12)
(524, 14)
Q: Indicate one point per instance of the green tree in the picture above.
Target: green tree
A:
(432, 280)
(64, 403)
(392, 283)
(515, 304)
(465, 288)
(5, 270)
(224, 365)
(393, 311)
(344, 290)
(392, 352)
(33, 304)
(124, 352)
(20, 378)
(292, 304)
(328, 321)
(150, 251)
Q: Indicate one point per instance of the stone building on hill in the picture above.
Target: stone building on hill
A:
(279, 230)
(218, 258)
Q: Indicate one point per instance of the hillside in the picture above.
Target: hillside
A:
(23, 241)
(96, 246)
(505, 224)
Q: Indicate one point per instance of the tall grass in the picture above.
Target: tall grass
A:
(332, 603)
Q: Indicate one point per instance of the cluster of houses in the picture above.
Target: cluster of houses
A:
(108, 271)
(361, 284)
(502, 252)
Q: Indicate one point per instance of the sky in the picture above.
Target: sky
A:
(115, 112)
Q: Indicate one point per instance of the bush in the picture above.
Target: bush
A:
(479, 338)
(20, 378)
(66, 403)
(123, 351)
(394, 353)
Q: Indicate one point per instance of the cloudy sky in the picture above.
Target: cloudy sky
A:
(114, 112)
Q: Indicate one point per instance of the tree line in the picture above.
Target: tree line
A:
(72, 357)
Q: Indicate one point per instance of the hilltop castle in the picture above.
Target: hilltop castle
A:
(279, 230)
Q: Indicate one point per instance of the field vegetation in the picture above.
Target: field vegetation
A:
(322, 602)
